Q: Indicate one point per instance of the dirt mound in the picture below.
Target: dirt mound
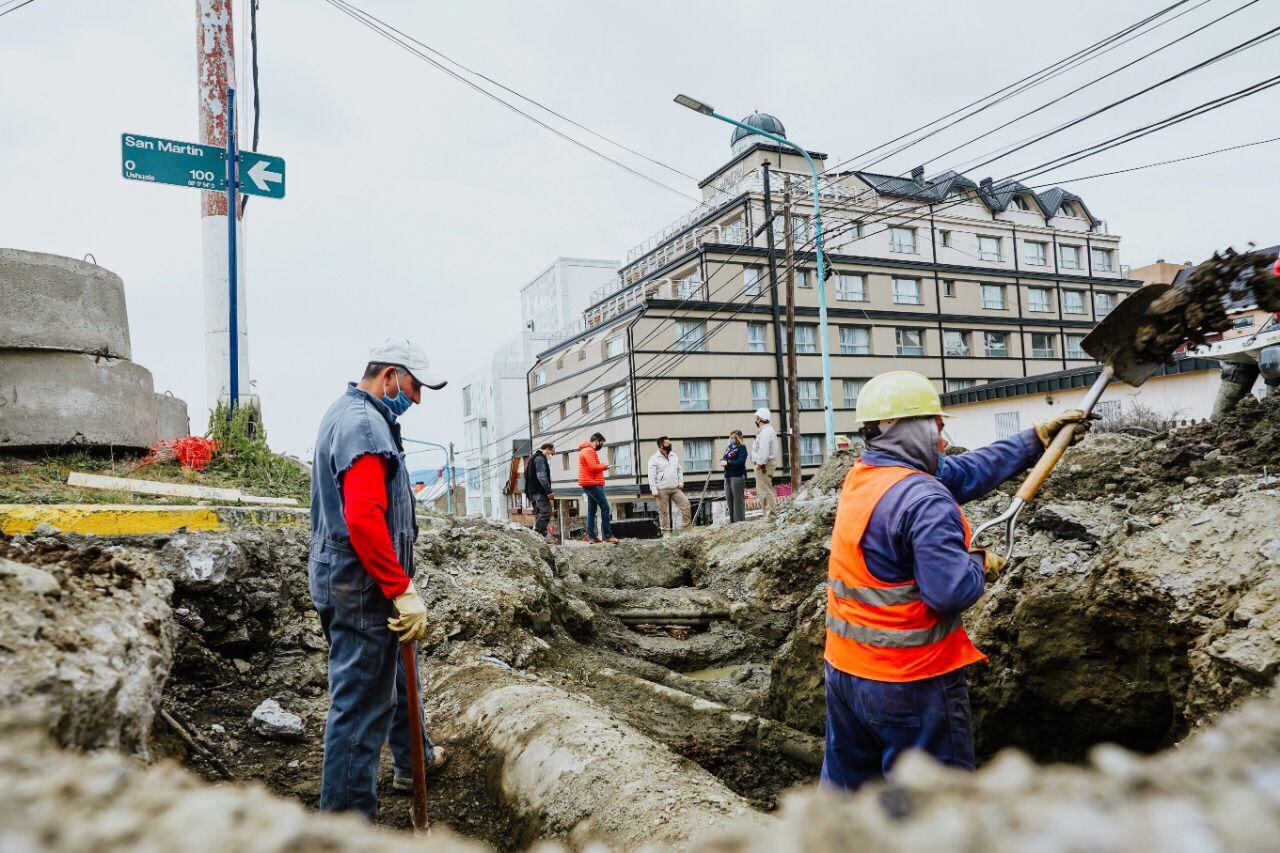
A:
(1215, 792)
(85, 641)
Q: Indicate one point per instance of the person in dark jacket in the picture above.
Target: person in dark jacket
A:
(537, 485)
(734, 463)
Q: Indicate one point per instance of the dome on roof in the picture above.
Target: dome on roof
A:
(743, 140)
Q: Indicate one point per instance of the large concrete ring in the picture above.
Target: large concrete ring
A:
(55, 399)
(56, 303)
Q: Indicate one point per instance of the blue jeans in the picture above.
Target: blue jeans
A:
(870, 723)
(597, 501)
(367, 704)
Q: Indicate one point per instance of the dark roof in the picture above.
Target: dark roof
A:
(763, 121)
(1079, 377)
(1238, 298)
(996, 197)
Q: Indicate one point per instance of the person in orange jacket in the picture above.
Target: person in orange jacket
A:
(591, 478)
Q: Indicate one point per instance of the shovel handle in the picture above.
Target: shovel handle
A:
(1061, 441)
(417, 752)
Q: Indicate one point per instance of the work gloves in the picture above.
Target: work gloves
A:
(1047, 430)
(410, 621)
(992, 564)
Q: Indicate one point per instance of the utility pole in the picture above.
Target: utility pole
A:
(215, 76)
(779, 370)
(451, 483)
(793, 384)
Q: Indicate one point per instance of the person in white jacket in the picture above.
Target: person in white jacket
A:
(764, 458)
(666, 483)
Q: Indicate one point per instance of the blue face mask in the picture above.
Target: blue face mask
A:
(399, 404)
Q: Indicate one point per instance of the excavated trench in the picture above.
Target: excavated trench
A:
(644, 692)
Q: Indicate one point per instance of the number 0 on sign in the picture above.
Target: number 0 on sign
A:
(198, 166)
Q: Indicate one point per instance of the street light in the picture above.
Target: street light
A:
(448, 462)
(706, 110)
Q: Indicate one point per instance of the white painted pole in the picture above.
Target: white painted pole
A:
(215, 73)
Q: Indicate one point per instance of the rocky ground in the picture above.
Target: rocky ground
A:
(649, 692)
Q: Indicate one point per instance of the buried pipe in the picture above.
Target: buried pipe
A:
(570, 768)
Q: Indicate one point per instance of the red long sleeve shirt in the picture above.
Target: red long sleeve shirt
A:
(364, 506)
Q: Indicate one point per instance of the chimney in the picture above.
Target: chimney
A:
(917, 174)
(985, 183)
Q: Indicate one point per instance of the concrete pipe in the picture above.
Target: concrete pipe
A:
(56, 303)
(171, 417)
(57, 399)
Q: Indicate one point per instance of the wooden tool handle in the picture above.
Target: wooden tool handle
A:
(1052, 454)
(417, 752)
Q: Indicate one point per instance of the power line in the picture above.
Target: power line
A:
(16, 8)
(386, 34)
(1163, 162)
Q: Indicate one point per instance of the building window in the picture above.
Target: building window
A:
(564, 461)
(810, 450)
(544, 419)
(906, 291)
(564, 412)
(619, 401)
(1075, 347)
(910, 341)
(694, 395)
(1104, 303)
(800, 228)
(584, 404)
(1069, 257)
(1102, 260)
(755, 337)
(854, 230)
(1006, 424)
(539, 378)
(691, 335)
(621, 459)
(733, 232)
(806, 337)
(851, 288)
(613, 346)
(582, 355)
(993, 296)
(855, 340)
(697, 454)
(959, 384)
(808, 393)
(1037, 253)
(997, 344)
(988, 248)
(1107, 410)
(1018, 203)
(1073, 301)
(1042, 345)
(948, 287)
(944, 238)
(750, 281)
(852, 388)
(902, 240)
(466, 400)
(955, 343)
(759, 393)
(689, 288)
(802, 279)
(1038, 299)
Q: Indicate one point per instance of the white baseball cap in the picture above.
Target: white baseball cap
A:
(403, 353)
(762, 414)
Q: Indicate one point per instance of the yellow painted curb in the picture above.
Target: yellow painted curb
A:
(106, 519)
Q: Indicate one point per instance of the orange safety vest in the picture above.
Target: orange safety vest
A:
(876, 629)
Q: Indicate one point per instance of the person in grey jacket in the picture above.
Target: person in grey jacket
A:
(537, 485)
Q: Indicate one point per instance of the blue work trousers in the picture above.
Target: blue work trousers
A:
(596, 501)
(367, 704)
(870, 723)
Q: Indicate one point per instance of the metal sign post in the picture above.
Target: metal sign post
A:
(232, 219)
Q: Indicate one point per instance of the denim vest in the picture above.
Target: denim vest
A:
(356, 424)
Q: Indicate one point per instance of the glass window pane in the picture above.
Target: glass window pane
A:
(697, 454)
(955, 343)
(906, 291)
(1038, 299)
(997, 344)
(993, 296)
(759, 394)
(1075, 348)
(810, 450)
(910, 342)
(855, 341)
(750, 281)
(851, 288)
(852, 388)
(902, 240)
(755, 337)
(691, 335)
(809, 395)
(694, 395)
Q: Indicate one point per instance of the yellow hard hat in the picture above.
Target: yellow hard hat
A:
(898, 394)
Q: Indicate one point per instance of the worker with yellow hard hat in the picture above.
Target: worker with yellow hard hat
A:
(899, 576)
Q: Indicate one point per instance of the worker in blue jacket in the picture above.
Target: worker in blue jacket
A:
(734, 463)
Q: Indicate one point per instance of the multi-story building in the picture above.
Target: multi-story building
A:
(495, 413)
(965, 281)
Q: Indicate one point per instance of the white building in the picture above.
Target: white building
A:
(495, 410)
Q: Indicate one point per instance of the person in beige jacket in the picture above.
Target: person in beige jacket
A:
(666, 484)
(764, 458)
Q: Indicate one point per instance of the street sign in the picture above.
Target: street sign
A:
(198, 166)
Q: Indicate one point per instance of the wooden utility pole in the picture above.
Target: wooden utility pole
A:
(780, 371)
(793, 385)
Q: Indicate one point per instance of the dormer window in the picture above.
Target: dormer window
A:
(958, 194)
(1019, 203)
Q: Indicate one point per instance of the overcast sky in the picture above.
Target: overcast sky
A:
(417, 207)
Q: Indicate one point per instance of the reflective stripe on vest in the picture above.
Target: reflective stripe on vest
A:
(877, 629)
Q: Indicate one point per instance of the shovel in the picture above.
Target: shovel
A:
(418, 807)
(1113, 344)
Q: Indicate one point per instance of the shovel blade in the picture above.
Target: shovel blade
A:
(1114, 340)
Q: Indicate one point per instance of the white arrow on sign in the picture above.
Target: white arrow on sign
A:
(259, 175)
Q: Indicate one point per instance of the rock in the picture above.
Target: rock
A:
(44, 528)
(272, 721)
(1270, 550)
(242, 666)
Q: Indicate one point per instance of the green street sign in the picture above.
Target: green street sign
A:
(198, 166)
